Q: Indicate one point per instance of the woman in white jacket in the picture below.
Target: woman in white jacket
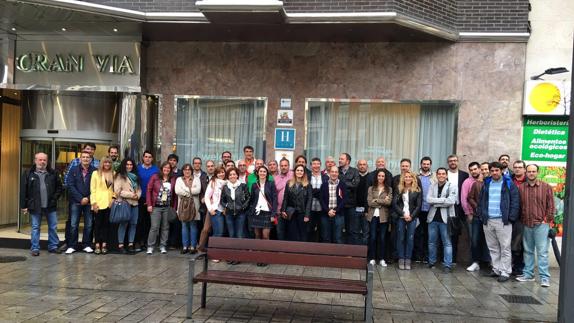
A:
(187, 186)
(212, 200)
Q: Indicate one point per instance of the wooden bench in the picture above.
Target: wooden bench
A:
(285, 253)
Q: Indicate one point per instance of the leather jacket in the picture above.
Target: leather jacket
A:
(298, 197)
(241, 202)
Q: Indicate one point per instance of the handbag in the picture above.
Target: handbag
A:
(186, 208)
(120, 211)
(290, 211)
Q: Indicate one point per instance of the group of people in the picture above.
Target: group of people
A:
(403, 218)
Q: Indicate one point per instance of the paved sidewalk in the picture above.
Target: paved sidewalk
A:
(84, 288)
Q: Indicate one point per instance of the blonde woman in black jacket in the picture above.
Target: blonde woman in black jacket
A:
(296, 206)
(407, 205)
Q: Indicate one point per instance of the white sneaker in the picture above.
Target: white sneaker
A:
(70, 251)
(474, 267)
(88, 249)
(383, 263)
(372, 262)
(162, 250)
(524, 279)
(149, 250)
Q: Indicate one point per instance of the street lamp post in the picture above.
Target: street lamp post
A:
(566, 288)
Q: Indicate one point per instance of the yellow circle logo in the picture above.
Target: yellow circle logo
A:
(544, 97)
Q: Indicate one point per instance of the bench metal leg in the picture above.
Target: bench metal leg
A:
(191, 274)
(369, 296)
(203, 294)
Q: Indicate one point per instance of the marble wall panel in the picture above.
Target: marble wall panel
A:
(484, 79)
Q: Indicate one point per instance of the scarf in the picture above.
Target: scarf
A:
(133, 180)
(232, 187)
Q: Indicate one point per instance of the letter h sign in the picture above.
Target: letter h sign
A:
(284, 138)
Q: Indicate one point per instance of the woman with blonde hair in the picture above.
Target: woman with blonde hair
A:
(296, 206)
(101, 194)
(407, 205)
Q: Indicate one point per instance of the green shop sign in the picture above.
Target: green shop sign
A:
(545, 139)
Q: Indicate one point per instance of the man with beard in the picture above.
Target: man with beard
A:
(473, 223)
(456, 177)
(427, 179)
(518, 177)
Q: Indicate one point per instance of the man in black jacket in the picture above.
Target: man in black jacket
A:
(350, 176)
(41, 187)
(362, 206)
(456, 177)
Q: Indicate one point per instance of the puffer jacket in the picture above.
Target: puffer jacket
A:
(298, 197)
(239, 204)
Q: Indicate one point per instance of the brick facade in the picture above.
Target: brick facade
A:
(459, 15)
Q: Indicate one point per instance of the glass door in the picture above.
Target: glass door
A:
(60, 153)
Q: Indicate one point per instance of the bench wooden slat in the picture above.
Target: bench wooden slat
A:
(274, 257)
(282, 282)
(289, 246)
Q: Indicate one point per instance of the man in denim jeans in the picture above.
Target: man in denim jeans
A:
(442, 197)
(537, 212)
(79, 179)
(350, 176)
(41, 187)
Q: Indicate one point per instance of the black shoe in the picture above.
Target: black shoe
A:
(56, 251)
(184, 251)
(261, 264)
(502, 279)
(517, 273)
(492, 274)
(131, 250)
(447, 270)
(35, 253)
(431, 266)
(63, 247)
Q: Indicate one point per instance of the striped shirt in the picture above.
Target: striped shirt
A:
(494, 193)
(537, 203)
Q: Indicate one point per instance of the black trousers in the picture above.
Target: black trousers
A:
(102, 225)
(421, 245)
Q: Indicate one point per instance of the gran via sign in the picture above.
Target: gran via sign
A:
(96, 66)
(70, 63)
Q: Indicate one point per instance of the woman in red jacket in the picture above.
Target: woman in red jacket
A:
(159, 198)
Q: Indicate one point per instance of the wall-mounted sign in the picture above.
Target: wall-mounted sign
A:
(285, 117)
(78, 65)
(547, 98)
(284, 138)
(545, 140)
(285, 103)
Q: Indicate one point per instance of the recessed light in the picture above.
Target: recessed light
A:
(64, 29)
(13, 28)
(115, 30)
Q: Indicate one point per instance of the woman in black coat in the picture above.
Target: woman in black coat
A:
(407, 204)
(296, 208)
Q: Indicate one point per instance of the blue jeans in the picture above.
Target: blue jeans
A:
(359, 227)
(332, 228)
(189, 234)
(478, 248)
(217, 223)
(406, 238)
(77, 211)
(436, 229)
(236, 224)
(133, 222)
(536, 238)
(377, 231)
(36, 221)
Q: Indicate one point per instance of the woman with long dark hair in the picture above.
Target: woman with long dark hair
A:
(379, 199)
(296, 206)
(263, 204)
(127, 188)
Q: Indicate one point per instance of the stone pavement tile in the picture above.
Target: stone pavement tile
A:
(110, 318)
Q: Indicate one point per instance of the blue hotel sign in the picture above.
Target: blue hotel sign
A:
(284, 138)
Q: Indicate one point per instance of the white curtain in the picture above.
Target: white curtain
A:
(436, 136)
(367, 130)
(206, 127)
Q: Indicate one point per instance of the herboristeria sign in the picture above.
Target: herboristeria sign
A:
(78, 65)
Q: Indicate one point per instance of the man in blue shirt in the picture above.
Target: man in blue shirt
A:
(498, 208)
(145, 170)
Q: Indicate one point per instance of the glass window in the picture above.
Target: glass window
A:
(207, 126)
(367, 129)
